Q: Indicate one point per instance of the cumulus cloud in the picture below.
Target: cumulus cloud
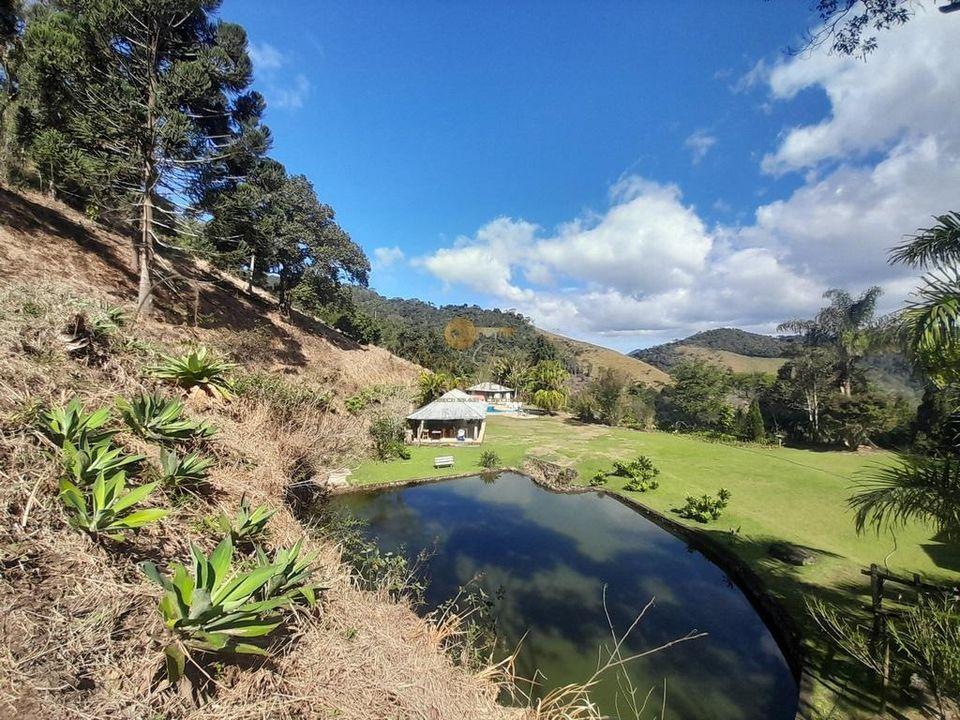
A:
(648, 262)
(908, 89)
(385, 257)
(699, 144)
(884, 159)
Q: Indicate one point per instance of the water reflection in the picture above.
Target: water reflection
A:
(548, 557)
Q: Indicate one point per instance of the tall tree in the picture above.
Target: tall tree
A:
(277, 220)
(845, 327)
(147, 99)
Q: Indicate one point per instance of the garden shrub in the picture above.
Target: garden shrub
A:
(181, 470)
(196, 369)
(221, 609)
(705, 507)
(489, 459)
(160, 419)
(106, 508)
(73, 424)
(640, 472)
(248, 524)
(388, 435)
(599, 478)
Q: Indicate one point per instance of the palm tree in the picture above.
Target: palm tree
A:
(845, 326)
(512, 370)
(548, 385)
(925, 487)
(432, 385)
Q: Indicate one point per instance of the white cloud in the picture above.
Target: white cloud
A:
(699, 144)
(289, 97)
(265, 56)
(647, 263)
(884, 159)
(908, 89)
(385, 257)
(280, 89)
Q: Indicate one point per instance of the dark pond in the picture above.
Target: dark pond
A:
(546, 557)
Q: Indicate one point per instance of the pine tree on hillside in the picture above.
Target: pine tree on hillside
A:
(136, 107)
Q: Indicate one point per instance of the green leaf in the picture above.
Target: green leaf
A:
(133, 497)
(220, 560)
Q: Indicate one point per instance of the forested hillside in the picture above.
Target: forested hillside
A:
(727, 340)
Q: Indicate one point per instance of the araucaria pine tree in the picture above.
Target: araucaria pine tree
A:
(136, 107)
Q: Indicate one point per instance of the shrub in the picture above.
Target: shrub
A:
(293, 574)
(599, 478)
(196, 369)
(178, 470)
(105, 508)
(85, 464)
(489, 459)
(153, 417)
(371, 396)
(640, 474)
(73, 424)
(217, 609)
(286, 399)
(705, 508)
(248, 524)
(388, 434)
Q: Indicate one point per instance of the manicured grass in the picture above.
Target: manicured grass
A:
(778, 494)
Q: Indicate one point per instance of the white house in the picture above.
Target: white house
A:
(491, 392)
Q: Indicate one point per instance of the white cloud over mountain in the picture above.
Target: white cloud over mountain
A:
(884, 160)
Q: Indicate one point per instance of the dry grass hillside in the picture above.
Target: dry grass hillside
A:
(81, 636)
(594, 358)
(734, 361)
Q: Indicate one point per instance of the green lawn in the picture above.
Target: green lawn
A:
(777, 494)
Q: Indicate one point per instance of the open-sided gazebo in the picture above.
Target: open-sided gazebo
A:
(451, 418)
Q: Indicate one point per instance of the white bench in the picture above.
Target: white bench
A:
(444, 461)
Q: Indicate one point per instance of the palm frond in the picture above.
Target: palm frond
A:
(931, 325)
(937, 244)
(916, 488)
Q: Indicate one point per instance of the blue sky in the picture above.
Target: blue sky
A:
(622, 172)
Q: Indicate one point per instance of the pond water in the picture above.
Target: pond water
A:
(545, 559)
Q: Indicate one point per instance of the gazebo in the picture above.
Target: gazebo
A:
(491, 392)
(453, 417)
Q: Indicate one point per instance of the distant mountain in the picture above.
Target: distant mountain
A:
(737, 349)
(743, 351)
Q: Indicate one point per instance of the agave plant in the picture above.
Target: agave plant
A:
(183, 469)
(293, 574)
(196, 369)
(218, 608)
(154, 417)
(248, 524)
(107, 508)
(73, 424)
(86, 463)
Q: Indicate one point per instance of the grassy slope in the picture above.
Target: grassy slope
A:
(733, 361)
(80, 635)
(600, 357)
(778, 494)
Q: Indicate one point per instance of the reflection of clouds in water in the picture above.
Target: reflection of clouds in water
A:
(615, 528)
(553, 554)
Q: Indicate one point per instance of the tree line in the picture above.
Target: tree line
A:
(141, 114)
